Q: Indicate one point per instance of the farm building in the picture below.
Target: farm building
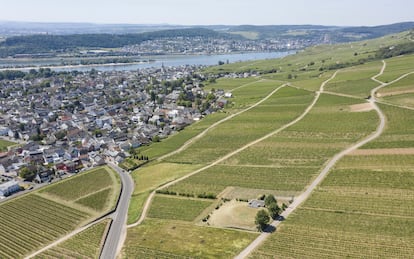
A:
(256, 203)
(9, 188)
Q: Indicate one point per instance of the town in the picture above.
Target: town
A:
(69, 121)
(202, 46)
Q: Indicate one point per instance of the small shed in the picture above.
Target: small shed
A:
(256, 203)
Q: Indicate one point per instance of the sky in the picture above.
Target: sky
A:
(211, 12)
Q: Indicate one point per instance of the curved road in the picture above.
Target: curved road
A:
(305, 195)
(117, 232)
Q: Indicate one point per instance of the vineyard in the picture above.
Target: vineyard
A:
(30, 222)
(177, 208)
(356, 80)
(170, 238)
(34, 220)
(396, 67)
(96, 189)
(246, 127)
(289, 160)
(86, 244)
(362, 209)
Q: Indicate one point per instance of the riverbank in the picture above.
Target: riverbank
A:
(159, 61)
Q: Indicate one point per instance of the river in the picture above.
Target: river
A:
(158, 61)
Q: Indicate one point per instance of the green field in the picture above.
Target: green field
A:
(331, 234)
(149, 178)
(4, 144)
(363, 209)
(399, 93)
(175, 141)
(48, 214)
(97, 189)
(175, 208)
(44, 219)
(399, 132)
(178, 239)
(401, 99)
(288, 161)
(86, 244)
(356, 80)
(283, 107)
(396, 67)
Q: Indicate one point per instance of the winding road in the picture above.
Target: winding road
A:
(306, 194)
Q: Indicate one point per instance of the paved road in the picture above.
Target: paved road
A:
(306, 194)
(117, 232)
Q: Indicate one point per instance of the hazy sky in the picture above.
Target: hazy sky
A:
(325, 12)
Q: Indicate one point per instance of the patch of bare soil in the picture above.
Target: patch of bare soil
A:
(234, 214)
(395, 93)
(362, 107)
(383, 151)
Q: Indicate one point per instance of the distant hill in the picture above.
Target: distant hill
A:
(54, 37)
(335, 34)
(47, 43)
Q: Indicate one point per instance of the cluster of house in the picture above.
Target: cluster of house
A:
(201, 45)
(75, 120)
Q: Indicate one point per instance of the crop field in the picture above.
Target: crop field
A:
(281, 108)
(177, 208)
(396, 67)
(243, 98)
(356, 80)
(4, 144)
(86, 244)
(85, 183)
(178, 239)
(289, 160)
(228, 84)
(399, 132)
(215, 179)
(34, 220)
(97, 200)
(150, 177)
(405, 84)
(30, 222)
(173, 142)
(96, 189)
(401, 99)
(327, 235)
(364, 208)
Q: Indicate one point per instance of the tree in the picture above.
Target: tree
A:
(262, 219)
(27, 174)
(274, 210)
(270, 199)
